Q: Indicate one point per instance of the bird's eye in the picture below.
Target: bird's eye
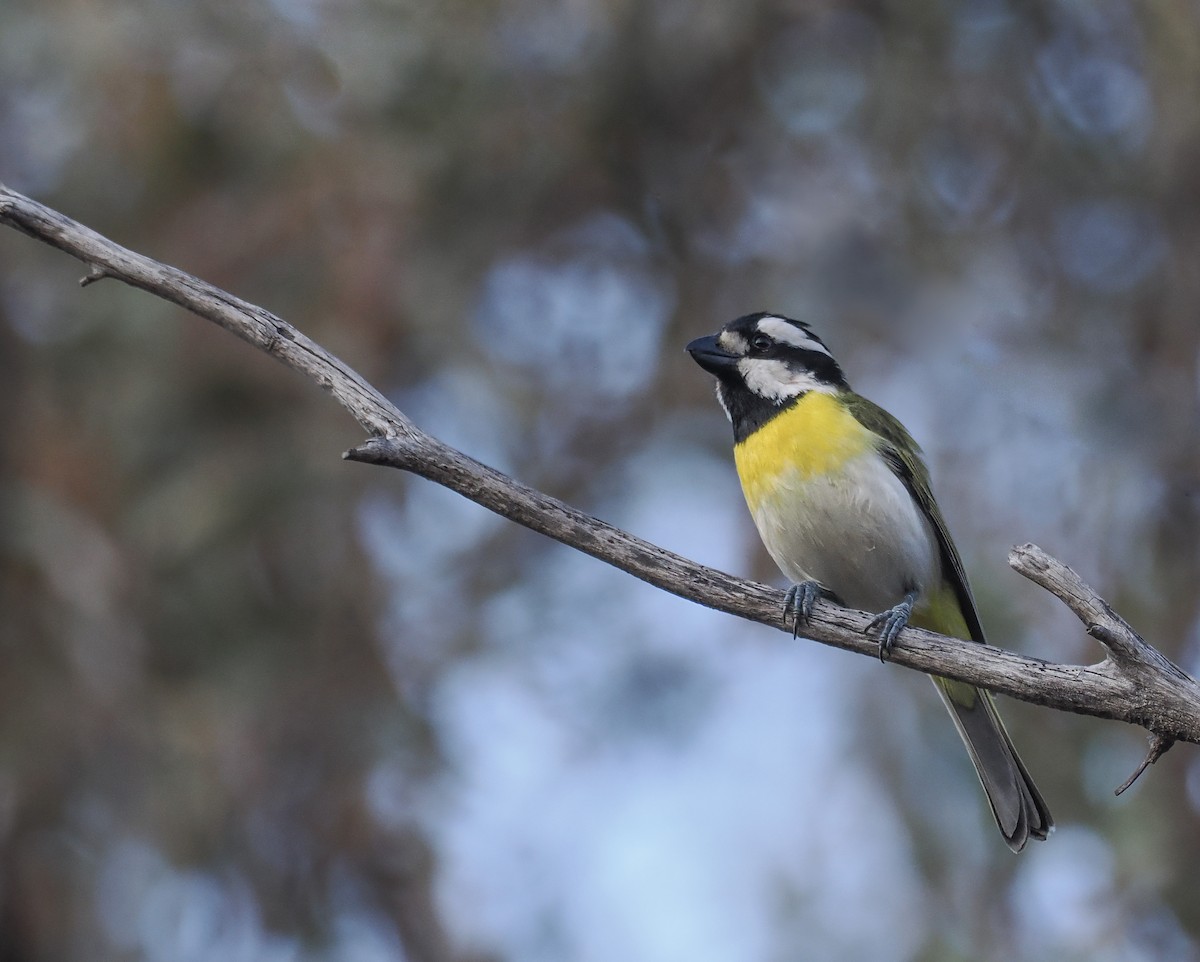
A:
(761, 343)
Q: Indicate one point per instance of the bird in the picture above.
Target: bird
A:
(841, 497)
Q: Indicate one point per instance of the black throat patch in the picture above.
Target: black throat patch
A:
(749, 411)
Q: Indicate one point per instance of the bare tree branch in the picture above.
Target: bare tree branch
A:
(1134, 683)
(1159, 745)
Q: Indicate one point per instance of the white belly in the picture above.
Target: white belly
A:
(858, 532)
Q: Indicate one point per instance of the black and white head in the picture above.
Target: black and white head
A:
(764, 362)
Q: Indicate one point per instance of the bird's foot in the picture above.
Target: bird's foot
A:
(891, 622)
(800, 600)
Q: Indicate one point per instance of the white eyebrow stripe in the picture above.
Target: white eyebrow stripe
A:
(791, 335)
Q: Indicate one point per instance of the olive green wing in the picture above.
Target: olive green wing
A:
(903, 456)
(1018, 807)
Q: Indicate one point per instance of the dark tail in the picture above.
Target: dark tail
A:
(1016, 803)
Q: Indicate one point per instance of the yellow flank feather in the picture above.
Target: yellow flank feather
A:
(940, 611)
(814, 437)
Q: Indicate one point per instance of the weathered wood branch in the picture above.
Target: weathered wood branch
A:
(1134, 683)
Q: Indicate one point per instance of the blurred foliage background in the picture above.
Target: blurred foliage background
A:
(258, 703)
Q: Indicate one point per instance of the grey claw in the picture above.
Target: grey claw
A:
(799, 603)
(890, 623)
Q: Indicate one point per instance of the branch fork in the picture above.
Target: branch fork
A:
(1128, 656)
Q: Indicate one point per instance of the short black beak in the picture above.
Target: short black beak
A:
(711, 356)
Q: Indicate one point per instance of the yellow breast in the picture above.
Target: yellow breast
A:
(813, 438)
